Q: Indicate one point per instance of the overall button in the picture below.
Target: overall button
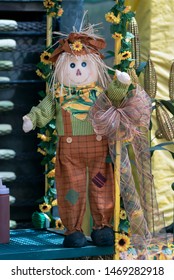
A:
(69, 140)
(98, 137)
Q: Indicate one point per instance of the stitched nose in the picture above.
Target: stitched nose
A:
(78, 73)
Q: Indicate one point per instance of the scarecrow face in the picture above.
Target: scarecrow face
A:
(78, 70)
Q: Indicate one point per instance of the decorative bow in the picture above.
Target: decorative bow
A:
(124, 122)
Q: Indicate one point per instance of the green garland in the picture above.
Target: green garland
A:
(119, 16)
(47, 147)
(48, 135)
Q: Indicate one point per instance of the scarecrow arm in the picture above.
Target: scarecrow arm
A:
(40, 115)
(118, 88)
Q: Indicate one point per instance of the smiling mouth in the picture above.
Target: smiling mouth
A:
(80, 82)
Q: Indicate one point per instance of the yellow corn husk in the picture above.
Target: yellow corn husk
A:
(150, 79)
(171, 82)
(165, 122)
(133, 28)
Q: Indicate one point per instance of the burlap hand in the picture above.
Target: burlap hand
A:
(27, 124)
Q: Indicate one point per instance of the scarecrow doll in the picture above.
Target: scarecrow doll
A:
(79, 77)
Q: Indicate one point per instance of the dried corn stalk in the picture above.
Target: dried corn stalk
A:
(165, 122)
(171, 82)
(150, 79)
(133, 28)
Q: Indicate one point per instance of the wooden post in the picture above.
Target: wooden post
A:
(48, 43)
(117, 196)
(117, 170)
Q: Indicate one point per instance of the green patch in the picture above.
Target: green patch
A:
(108, 159)
(72, 196)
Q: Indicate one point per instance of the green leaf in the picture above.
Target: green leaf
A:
(164, 144)
(169, 105)
(150, 125)
(129, 15)
(141, 68)
(52, 125)
(129, 35)
(124, 225)
(42, 93)
(111, 53)
(160, 147)
(172, 186)
(42, 200)
(51, 182)
(125, 46)
(115, 28)
(111, 72)
(51, 192)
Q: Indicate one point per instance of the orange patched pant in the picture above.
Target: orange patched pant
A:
(75, 156)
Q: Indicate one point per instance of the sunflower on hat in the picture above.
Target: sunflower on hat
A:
(77, 46)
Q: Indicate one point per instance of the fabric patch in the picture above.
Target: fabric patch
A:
(108, 159)
(72, 196)
(99, 180)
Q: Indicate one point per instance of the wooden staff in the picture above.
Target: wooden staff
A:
(49, 22)
(117, 171)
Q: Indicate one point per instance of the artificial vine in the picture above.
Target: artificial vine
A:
(48, 137)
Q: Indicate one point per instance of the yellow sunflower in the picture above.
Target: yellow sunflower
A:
(54, 202)
(122, 243)
(125, 55)
(48, 4)
(123, 214)
(54, 132)
(110, 17)
(117, 36)
(53, 160)
(59, 224)
(51, 174)
(44, 207)
(170, 246)
(39, 150)
(77, 46)
(44, 57)
(162, 256)
(43, 137)
(40, 74)
(117, 19)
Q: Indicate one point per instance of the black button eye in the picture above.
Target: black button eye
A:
(83, 64)
(72, 65)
